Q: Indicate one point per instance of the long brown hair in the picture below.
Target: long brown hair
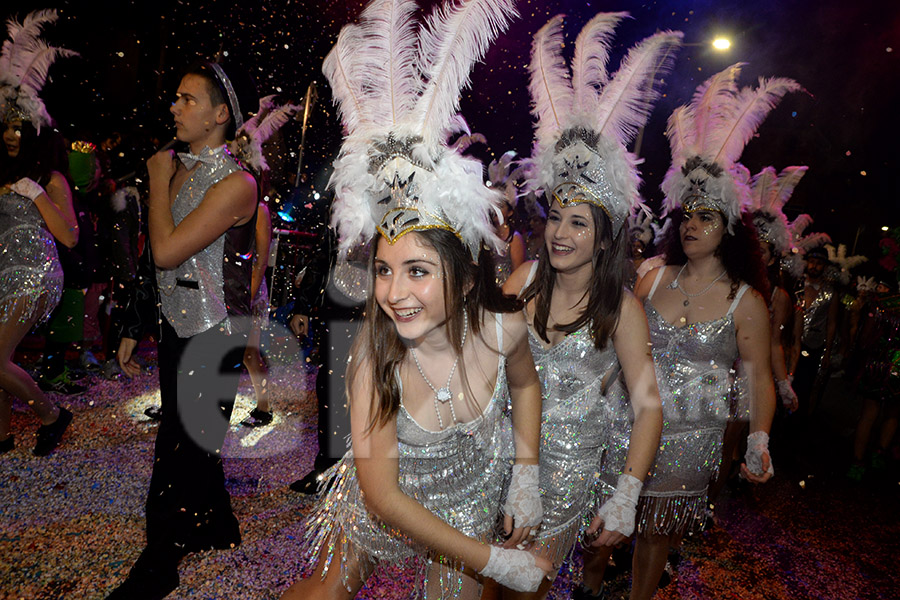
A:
(605, 289)
(378, 339)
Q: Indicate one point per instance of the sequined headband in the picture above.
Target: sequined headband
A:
(698, 199)
(14, 113)
(232, 97)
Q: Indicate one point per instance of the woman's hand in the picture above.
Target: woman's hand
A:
(757, 467)
(517, 570)
(522, 508)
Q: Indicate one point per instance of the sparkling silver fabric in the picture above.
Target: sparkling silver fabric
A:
(190, 310)
(460, 474)
(502, 263)
(574, 434)
(31, 278)
(695, 372)
(815, 318)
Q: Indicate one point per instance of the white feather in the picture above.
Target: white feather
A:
(626, 102)
(682, 135)
(747, 114)
(456, 36)
(346, 86)
(551, 91)
(591, 57)
(718, 89)
(762, 185)
(388, 58)
(786, 183)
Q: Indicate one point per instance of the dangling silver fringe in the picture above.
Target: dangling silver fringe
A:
(339, 522)
(667, 515)
(34, 305)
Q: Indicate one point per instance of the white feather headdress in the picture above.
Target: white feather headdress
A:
(24, 63)
(585, 118)
(503, 174)
(640, 223)
(769, 191)
(707, 138)
(397, 87)
(838, 257)
(802, 243)
(247, 144)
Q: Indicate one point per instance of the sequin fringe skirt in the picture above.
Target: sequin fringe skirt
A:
(340, 523)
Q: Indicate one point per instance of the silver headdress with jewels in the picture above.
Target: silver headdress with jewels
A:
(707, 138)
(769, 192)
(24, 63)
(397, 87)
(585, 118)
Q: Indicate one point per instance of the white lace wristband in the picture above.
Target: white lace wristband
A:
(28, 188)
(618, 513)
(757, 445)
(786, 392)
(523, 501)
(514, 569)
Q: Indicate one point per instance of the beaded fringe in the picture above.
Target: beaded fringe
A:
(339, 522)
(31, 305)
(667, 515)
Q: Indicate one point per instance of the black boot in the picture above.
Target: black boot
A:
(153, 576)
(48, 436)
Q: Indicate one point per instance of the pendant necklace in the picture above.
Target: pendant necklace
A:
(677, 285)
(443, 395)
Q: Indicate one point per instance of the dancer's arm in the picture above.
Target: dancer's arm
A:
(631, 340)
(754, 346)
(230, 202)
(525, 393)
(55, 205)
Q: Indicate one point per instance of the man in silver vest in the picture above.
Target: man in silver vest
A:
(202, 212)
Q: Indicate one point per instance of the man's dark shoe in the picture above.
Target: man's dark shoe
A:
(257, 418)
(154, 412)
(309, 485)
(153, 576)
(7, 445)
(48, 436)
(61, 384)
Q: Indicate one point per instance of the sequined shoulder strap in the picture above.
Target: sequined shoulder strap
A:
(737, 298)
(659, 275)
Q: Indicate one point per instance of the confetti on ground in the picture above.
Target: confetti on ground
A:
(71, 524)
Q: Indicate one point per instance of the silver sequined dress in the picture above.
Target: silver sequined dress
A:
(574, 434)
(31, 278)
(460, 474)
(695, 372)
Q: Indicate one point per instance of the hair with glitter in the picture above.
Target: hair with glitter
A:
(739, 252)
(378, 339)
(605, 289)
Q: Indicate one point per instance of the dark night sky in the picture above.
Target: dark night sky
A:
(845, 54)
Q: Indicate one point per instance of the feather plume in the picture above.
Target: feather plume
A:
(388, 57)
(681, 133)
(551, 91)
(247, 145)
(590, 60)
(813, 240)
(761, 186)
(749, 110)
(342, 73)
(786, 183)
(720, 87)
(455, 37)
(467, 140)
(25, 60)
(626, 102)
(799, 225)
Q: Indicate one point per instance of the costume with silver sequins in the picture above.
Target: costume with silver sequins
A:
(193, 293)
(460, 474)
(695, 372)
(31, 278)
(573, 434)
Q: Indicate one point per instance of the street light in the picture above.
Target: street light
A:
(721, 44)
